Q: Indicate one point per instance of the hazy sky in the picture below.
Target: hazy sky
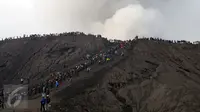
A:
(121, 19)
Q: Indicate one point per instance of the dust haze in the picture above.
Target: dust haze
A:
(121, 19)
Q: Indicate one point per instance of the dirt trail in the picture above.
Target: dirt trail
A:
(78, 85)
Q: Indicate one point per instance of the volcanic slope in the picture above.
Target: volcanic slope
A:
(156, 76)
(37, 57)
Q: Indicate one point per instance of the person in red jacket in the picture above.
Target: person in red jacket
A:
(121, 45)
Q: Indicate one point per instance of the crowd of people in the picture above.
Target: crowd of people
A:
(165, 41)
(55, 79)
(100, 58)
(47, 36)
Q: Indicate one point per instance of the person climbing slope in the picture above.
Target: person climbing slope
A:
(47, 91)
(107, 59)
(57, 84)
(48, 102)
(88, 69)
(122, 54)
(22, 80)
(43, 102)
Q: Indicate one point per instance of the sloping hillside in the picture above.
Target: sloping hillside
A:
(36, 57)
(157, 76)
(153, 75)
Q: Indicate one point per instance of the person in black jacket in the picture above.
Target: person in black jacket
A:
(47, 91)
(48, 102)
(51, 84)
(2, 99)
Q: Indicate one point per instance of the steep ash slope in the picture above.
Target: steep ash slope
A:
(156, 77)
(37, 57)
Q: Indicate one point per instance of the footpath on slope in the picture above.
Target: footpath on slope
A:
(78, 85)
(87, 82)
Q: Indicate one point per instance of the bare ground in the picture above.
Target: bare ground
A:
(155, 77)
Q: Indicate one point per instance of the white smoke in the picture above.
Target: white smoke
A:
(121, 19)
(130, 21)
